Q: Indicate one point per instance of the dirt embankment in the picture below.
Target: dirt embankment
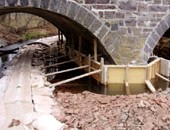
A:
(11, 36)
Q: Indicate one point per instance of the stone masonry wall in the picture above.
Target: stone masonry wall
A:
(133, 20)
(128, 29)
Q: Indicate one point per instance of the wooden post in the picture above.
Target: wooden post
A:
(126, 80)
(102, 68)
(80, 49)
(150, 86)
(59, 39)
(89, 60)
(95, 49)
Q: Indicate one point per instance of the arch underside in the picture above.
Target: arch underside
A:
(65, 24)
(155, 36)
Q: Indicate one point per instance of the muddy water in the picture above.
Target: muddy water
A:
(119, 89)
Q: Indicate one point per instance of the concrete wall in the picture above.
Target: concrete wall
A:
(128, 29)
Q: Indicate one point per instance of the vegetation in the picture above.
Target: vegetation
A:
(17, 27)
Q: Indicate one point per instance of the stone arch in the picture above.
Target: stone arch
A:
(77, 18)
(155, 36)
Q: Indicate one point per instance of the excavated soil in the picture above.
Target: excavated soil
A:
(89, 111)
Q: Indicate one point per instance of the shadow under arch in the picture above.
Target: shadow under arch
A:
(155, 36)
(67, 25)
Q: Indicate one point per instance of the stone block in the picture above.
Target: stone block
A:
(157, 8)
(90, 1)
(44, 4)
(130, 22)
(64, 6)
(81, 15)
(142, 7)
(110, 37)
(2, 3)
(164, 25)
(89, 19)
(151, 43)
(167, 19)
(157, 1)
(166, 2)
(54, 4)
(103, 7)
(12, 2)
(128, 5)
(159, 30)
(24, 2)
(113, 15)
(113, 1)
(95, 26)
(35, 3)
(102, 32)
(146, 49)
(115, 26)
(155, 36)
(74, 8)
(102, 1)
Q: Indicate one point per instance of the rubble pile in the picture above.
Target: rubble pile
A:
(89, 111)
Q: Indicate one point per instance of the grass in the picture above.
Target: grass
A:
(33, 35)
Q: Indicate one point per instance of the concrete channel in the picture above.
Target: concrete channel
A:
(27, 102)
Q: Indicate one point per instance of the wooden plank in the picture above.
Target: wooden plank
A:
(153, 62)
(162, 77)
(116, 75)
(126, 80)
(53, 58)
(56, 64)
(136, 75)
(150, 86)
(74, 78)
(127, 88)
(67, 70)
(95, 49)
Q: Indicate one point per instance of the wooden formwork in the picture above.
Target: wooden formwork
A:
(94, 65)
(133, 74)
(123, 74)
(113, 74)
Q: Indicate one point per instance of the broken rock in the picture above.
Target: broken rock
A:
(47, 122)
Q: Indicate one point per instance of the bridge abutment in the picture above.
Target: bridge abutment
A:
(128, 30)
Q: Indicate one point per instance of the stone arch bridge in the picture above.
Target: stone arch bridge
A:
(126, 29)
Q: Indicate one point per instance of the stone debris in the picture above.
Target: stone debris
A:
(39, 121)
(89, 111)
(47, 122)
(14, 122)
